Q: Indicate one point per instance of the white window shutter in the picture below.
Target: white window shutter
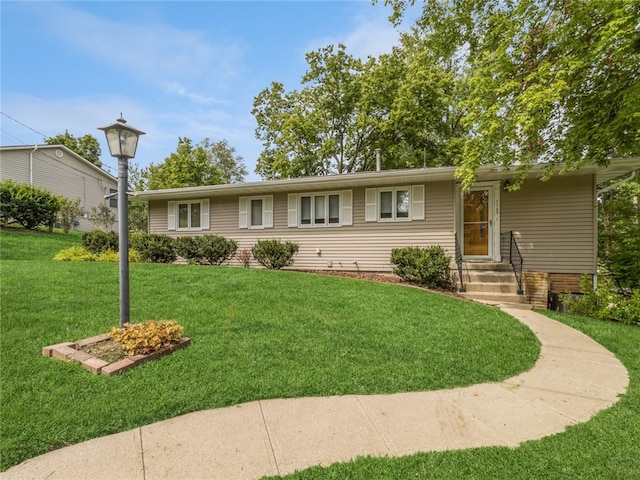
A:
(267, 211)
(204, 215)
(171, 215)
(292, 210)
(370, 209)
(242, 216)
(417, 202)
(347, 207)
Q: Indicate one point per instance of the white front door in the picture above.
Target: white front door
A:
(479, 226)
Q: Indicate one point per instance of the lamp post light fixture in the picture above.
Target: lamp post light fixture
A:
(123, 141)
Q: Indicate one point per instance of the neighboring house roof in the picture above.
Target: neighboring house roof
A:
(53, 148)
(616, 168)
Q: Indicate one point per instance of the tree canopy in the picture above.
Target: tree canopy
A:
(547, 81)
(348, 108)
(207, 163)
(86, 146)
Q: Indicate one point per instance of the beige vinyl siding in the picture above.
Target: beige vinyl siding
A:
(362, 246)
(65, 175)
(554, 224)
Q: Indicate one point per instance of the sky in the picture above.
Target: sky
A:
(174, 69)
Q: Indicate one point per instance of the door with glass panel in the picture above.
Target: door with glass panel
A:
(477, 223)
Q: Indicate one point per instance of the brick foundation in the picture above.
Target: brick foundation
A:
(565, 282)
(536, 285)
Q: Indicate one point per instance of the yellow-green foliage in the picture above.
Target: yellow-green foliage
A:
(75, 253)
(110, 256)
(147, 337)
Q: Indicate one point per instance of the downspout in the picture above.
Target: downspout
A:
(600, 192)
(35, 147)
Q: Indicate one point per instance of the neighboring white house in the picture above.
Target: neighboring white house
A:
(62, 172)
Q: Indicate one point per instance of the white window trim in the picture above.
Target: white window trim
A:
(172, 215)
(244, 212)
(416, 203)
(345, 209)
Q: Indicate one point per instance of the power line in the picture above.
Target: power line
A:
(24, 125)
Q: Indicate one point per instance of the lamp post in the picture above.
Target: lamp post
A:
(123, 141)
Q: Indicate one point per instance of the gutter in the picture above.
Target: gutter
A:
(617, 184)
(35, 147)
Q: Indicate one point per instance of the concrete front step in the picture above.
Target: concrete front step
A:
(510, 286)
(490, 266)
(489, 277)
(495, 297)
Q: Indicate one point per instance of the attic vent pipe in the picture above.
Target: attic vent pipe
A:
(378, 159)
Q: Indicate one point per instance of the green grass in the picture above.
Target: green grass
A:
(256, 334)
(605, 447)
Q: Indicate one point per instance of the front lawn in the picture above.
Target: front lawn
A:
(256, 334)
(605, 447)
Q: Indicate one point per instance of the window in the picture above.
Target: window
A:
(394, 204)
(320, 209)
(188, 215)
(113, 199)
(256, 212)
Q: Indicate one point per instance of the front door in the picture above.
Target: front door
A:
(478, 223)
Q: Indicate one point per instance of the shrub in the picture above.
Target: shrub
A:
(69, 212)
(189, 249)
(102, 216)
(274, 254)
(147, 337)
(98, 241)
(244, 257)
(216, 249)
(154, 247)
(75, 254)
(428, 266)
(27, 205)
(605, 302)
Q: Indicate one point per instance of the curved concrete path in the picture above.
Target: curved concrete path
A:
(574, 378)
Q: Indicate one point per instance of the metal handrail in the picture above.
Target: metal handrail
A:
(516, 261)
(459, 263)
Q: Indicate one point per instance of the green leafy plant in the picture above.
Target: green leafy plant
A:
(604, 302)
(102, 216)
(75, 254)
(216, 249)
(274, 254)
(154, 248)
(189, 249)
(69, 212)
(147, 337)
(429, 266)
(27, 205)
(98, 241)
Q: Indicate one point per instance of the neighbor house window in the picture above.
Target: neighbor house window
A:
(113, 199)
(188, 215)
(394, 204)
(256, 212)
(320, 209)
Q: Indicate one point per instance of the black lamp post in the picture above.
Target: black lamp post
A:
(123, 141)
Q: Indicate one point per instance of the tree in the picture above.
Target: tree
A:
(138, 211)
(204, 164)
(102, 216)
(70, 211)
(548, 81)
(619, 234)
(348, 108)
(86, 146)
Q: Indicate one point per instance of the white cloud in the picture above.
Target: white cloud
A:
(176, 88)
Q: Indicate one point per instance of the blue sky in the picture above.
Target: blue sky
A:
(175, 69)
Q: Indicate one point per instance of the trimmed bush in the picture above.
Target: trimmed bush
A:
(154, 248)
(429, 266)
(98, 241)
(216, 249)
(189, 249)
(274, 254)
(27, 205)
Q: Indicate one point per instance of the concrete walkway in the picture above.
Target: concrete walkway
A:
(574, 378)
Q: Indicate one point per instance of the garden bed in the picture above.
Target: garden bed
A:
(100, 355)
